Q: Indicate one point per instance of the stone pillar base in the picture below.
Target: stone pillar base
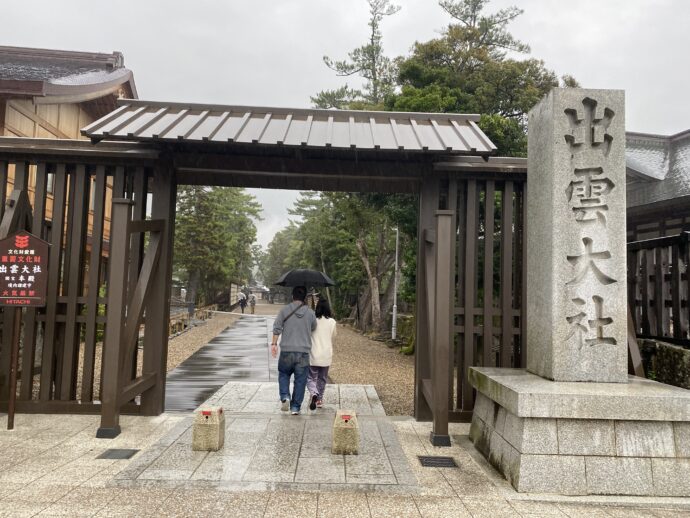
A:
(583, 438)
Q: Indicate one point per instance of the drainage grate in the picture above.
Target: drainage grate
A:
(119, 454)
(437, 462)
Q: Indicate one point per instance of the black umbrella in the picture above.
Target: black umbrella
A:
(307, 278)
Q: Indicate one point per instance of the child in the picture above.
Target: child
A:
(321, 353)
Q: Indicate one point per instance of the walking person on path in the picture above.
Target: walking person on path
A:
(252, 303)
(321, 353)
(294, 324)
(243, 301)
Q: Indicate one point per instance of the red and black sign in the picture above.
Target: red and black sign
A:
(23, 270)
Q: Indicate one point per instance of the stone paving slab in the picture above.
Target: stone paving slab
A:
(472, 489)
(265, 447)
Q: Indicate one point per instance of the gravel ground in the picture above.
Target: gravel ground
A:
(360, 360)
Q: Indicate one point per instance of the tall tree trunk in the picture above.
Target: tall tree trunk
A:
(373, 286)
(193, 286)
(323, 269)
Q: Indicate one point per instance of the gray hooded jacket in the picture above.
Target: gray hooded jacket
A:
(296, 331)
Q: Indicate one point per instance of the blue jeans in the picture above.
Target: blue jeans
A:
(290, 363)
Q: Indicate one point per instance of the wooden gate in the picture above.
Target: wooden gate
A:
(485, 318)
(70, 186)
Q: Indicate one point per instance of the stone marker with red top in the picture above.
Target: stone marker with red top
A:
(208, 433)
(345, 440)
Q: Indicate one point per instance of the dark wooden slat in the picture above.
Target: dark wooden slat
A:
(460, 288)
(119, 178)
(659, 291)
(646, 290)
(94, 284)
(469, 276)
(3, 187)
(488, 284)
(522, 278)
(139, 188)
(452, 205)
(74, 284)
(632, 286)
(506, 275)
(137, 386)
(38, 228)
(47, 361)
(21, 176)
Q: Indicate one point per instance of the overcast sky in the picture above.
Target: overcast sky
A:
(269, 52)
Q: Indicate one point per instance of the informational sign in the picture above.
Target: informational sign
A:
(23, 270)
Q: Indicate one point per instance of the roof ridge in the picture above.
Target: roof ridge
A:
(313, 111)
(114, 59)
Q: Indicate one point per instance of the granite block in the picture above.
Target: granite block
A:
(671, 477)
(681, 432)
(586, 437)
(483, 407)
(537, 436)
(644, 439)
(528, 395)
(504, 458)
(619, 476)
(560, 474)
(481, 436)
(500, 421)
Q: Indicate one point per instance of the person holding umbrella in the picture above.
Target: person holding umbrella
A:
(294, 324)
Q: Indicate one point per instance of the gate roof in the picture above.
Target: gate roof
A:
(428, 133)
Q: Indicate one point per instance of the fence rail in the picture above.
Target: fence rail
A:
(658, 288)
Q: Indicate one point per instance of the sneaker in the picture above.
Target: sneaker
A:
(295, 411)
(312, 404)
(319, 403)
(285, 405)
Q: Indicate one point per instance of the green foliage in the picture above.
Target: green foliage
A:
(214, 233)
(465, 70)
(367, 61)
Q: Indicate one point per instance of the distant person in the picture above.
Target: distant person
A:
(242, 299)
(294, 325)
(252, 303)
(321, 353)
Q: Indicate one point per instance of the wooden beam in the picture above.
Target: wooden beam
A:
(39, 120)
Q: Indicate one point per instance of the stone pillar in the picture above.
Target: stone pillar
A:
(576, 283)
(574, 422)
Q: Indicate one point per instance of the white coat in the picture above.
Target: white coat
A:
(322, 337)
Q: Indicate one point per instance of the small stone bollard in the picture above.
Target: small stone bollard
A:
(345, 439)
(208, 433)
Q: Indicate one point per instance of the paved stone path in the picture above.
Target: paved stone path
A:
(264, 446)
(239, 353)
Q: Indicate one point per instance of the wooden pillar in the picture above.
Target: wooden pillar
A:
(115, 320)
(443, 334)
(428, 204)
(158, 309)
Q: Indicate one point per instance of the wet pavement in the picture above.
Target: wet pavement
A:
(239, 353)
(266, 449)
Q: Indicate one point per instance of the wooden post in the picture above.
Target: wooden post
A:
(14, 364)
(158, 308)
(443, 293)
(428, 204)
(115, 320)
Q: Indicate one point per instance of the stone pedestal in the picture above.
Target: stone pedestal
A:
(345, 438)
(208, 431)
(583, 438)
